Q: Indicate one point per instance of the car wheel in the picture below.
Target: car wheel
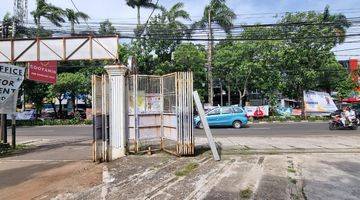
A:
(200, 125)
(237, 124)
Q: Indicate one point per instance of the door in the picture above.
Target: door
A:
(213, 117)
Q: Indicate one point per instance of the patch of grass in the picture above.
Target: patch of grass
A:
(187, 169)
(6, 149)
(291, 170)
(246, 194)
(292, 180)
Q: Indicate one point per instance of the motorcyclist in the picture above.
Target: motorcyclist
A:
(352, 115)
(345, 116)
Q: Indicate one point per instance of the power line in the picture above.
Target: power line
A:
(347, 49)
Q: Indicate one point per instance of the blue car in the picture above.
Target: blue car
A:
(224, 116)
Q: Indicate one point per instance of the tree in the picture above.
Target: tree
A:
(35, 93)
(73, 17)
(234, 64)
(217, 12)
(191, 57)
(140, 4)
(106, 28)
(50, 12)
(304, 61)
(68, 86)
(167, 25)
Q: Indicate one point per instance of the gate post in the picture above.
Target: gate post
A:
(117, 110)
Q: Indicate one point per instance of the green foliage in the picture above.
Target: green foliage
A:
(35, 93)
(74, 16)
(5, 149)
(167, 24)
(106, 28)
(50, 12)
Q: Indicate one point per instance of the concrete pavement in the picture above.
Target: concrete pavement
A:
(61, 167)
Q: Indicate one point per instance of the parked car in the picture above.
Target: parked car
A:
(224, 116)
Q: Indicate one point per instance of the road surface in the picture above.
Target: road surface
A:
(65, 133)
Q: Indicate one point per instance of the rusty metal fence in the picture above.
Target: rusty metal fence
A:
(161, 113)
(100, 112)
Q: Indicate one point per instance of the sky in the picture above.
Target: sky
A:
(248, 11)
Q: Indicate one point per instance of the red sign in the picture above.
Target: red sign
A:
(43, 71)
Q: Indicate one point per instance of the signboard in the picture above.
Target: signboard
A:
(319, 102)
(43, 71)
(11, 78)
(257, 111)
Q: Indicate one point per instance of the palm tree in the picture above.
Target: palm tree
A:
(50, 12)
(138, 4)
(175, 12)
(73, 17)
(341, 23)
(217, 12)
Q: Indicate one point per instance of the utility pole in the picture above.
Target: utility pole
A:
(209, 62)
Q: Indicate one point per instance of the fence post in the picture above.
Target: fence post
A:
(117, 110)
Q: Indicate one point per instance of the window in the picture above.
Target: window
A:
(238, 110)
(227, 110)
(214, 112)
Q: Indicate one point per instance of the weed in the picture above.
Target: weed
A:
(187, 169)
(292, 180)
(291, 170)
(246, 194)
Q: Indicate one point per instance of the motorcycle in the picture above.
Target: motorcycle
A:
(336, 124)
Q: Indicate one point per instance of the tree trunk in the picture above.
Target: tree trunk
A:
(60, 113)
(240, 98)
(138, 16)
(38, 24)
(54, 107)
(229, 94)
(72, 28)
(303, 112)
(73, 99)
(209, 62)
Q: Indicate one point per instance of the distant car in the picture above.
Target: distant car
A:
(224, 116)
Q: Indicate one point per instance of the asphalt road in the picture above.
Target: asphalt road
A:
(274, 130)
(278, 130)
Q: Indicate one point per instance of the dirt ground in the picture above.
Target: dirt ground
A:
(47, 180)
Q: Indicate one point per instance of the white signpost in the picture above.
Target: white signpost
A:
(203, 119)
(11, 78)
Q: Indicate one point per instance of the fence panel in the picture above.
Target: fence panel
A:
(100, 112)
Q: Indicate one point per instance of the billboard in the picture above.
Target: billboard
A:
(43, 71)
(320, 102)
(257, 111)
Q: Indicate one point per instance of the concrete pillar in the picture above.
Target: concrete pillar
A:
(117, 110)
